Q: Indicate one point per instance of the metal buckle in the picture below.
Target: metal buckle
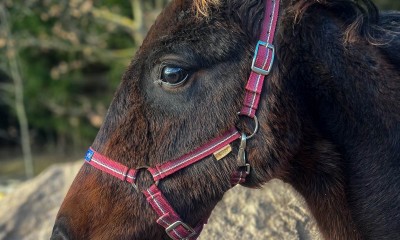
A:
(248, 168)
(242, 153)
(260, 70)
(184, 225)
(241, 157)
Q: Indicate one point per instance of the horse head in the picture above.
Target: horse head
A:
(183, 90)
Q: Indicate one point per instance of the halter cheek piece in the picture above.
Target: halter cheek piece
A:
(168, 218)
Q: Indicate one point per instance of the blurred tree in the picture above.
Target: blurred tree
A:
(18, 87)
(388, 4)
(69, 56)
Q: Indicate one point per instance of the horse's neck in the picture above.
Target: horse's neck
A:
(348, 164)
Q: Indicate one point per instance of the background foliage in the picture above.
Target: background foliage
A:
(69, 56)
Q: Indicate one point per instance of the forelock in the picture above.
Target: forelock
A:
(203, 6)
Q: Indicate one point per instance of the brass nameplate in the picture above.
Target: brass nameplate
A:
(220, 154)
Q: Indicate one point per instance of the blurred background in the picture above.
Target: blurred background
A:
(60, 63)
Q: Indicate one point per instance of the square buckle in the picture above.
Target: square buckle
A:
(261, 70)
(184, 225)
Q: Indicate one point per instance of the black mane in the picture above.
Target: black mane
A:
(360, 16)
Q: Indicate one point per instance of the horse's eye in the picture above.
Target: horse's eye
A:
(173, 76)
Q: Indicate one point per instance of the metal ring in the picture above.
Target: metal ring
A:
(145, 167)
(255, 125)
(142, 167)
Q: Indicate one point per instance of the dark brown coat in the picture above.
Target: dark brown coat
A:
(329, 115)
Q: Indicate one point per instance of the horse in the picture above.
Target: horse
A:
(328, 121)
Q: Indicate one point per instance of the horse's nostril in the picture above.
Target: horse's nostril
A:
(59, 234)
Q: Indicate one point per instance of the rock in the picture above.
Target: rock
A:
(274, 212)
(7, 186)
(29, 211)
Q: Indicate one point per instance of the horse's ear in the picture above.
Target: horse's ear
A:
(248, 14)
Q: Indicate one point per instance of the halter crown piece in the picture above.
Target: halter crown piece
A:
(174, 226)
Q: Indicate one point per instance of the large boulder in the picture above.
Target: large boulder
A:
(29, 211)
(274, 212)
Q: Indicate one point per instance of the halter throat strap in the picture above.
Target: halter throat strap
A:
(168, 218)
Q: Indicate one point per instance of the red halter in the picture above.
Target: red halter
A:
(168, 218)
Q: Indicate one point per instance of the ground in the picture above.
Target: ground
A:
(274, 212)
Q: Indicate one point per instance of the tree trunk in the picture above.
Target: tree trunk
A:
(138, 18)
(12, 56)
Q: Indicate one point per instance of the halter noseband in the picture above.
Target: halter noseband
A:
(220, 146)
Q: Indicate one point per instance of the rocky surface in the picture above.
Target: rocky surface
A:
(274, 212)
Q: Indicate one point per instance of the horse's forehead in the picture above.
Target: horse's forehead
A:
(177, 11)
(176, 15)
(179, 30)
